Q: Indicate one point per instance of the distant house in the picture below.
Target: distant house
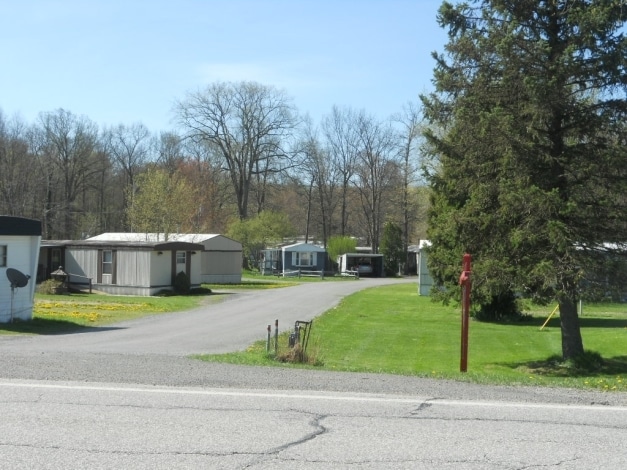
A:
(220, 256)
(292, 258)
(19, 252)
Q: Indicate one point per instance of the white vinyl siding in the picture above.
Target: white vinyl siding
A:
(133, 268)
(82, 262)
(19, 252)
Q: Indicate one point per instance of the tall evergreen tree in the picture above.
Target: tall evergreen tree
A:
(528, 125)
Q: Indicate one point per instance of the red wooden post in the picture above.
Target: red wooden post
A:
(464, 281)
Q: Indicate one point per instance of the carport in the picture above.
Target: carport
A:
(351, 262)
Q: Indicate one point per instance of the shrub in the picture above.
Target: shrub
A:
(296, 354)
(504, 306)
(50, 286)
(182, 284)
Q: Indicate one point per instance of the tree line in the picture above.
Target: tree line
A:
(238, 150)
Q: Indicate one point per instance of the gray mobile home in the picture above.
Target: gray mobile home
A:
(131, 267)
(220, 256)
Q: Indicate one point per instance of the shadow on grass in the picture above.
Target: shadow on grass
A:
(42, 326)
(603, 322)
(555, 366)
(591, 322)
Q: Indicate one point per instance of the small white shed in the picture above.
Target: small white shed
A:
(425, 281)
(19, 251)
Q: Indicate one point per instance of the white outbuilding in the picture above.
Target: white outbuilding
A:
(19, 254)
(425, 281)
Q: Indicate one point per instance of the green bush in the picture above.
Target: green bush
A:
(50, 286)
(504, 306)
(182, 284)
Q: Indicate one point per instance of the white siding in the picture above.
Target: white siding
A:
(195, 277)
(221, 267)
(161, 268)
(221, 259)
(132, 268)
(425, 281)
(219, 262)
(23, 255)
(82, 262)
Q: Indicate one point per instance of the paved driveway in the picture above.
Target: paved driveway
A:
(229, 325)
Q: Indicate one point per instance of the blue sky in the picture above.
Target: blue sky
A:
(128, 61)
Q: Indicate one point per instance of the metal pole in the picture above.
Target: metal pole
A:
(276, 336)
(464, 281)
(12, 294)
(268, 341)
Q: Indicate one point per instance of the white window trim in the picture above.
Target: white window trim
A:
(107, 263)
(298, 261)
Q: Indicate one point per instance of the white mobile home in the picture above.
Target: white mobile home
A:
(220, 256)
(19, 253)
(131, 268)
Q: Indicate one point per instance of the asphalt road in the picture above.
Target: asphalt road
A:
(130, 397)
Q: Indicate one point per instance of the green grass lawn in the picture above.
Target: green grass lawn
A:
(392, 329)
(386, 329)
(55, 314)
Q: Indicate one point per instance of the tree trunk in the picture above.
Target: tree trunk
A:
(572, 344)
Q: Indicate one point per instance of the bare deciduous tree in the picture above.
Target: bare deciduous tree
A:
(248, 124)
(410, 123)
(214, 202)
(18, 183)
(317, 172)
(377, 171)
(341, 137)
(68, 146)
(129, 148)
(169, 151)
